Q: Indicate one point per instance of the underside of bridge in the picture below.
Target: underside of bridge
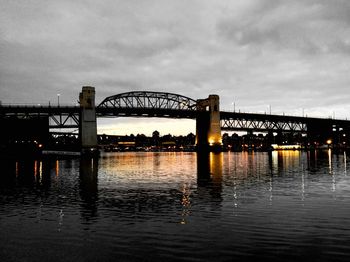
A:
(25, 136)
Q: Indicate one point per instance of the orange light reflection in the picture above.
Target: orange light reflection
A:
(57, 169)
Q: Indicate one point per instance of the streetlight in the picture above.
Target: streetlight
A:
(58, 99)
(329, 142)
(234, 106)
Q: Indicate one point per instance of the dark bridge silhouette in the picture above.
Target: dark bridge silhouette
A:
(169, 105)
(147, 104)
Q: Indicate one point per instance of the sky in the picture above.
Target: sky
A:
(290, 57)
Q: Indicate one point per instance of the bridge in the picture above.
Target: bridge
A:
(210, 121)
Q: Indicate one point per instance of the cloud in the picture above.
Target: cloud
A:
(287, 54)
(309, 27)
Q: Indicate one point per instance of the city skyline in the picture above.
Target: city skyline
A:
(258, 56)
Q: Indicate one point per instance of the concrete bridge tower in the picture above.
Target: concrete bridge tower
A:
(88, 125)
(208, 128)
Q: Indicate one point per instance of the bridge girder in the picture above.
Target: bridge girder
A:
(145, 112)
(59, 117)
(247, 124)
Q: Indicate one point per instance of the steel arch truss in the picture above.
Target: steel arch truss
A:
(263, 125)
(148, 100)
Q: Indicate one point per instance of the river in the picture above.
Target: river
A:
(177, 206)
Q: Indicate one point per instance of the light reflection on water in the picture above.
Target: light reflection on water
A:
(282, 205)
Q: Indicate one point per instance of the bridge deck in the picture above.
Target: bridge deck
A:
(62, 115)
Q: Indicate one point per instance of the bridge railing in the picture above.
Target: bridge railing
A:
(37, 105)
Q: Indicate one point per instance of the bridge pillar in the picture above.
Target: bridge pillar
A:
(88, 125)
(208, 128)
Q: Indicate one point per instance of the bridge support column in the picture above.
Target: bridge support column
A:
(88, 125)
(208, 128)
(270, 138)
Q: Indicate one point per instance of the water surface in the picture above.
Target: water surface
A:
(167, 206)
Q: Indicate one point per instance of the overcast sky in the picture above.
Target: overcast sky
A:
(290, 55)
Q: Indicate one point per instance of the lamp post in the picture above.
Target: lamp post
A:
(58, 100)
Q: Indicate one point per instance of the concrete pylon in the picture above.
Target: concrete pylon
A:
(208, 127)
(88, 124)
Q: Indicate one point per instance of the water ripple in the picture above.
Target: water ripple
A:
(176, 206)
